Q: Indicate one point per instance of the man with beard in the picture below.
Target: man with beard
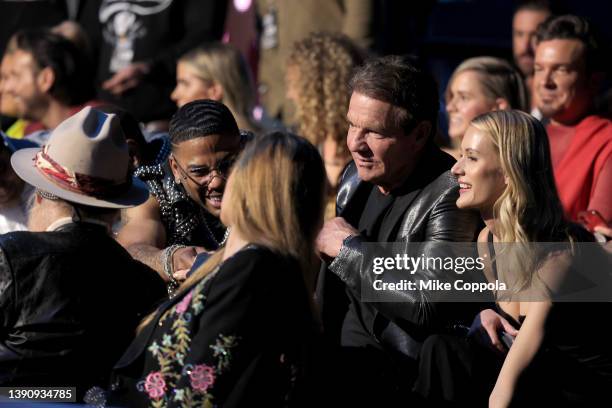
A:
(49, 79)
(70, 296)
(527, 16)
(181, 219)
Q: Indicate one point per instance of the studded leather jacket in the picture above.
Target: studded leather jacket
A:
(186, 223)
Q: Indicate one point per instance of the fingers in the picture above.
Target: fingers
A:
(508, 328)
(183, 258)
(181, 274)
(607, 231)
(115, 80)
(121, 87)
(495, 342)
(122, 81)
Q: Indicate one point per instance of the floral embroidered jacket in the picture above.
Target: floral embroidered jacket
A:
(233, 339)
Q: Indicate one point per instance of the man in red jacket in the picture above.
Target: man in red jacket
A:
(568, 70)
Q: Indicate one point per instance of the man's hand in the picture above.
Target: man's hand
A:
(182, 260)
(126, 78)
(331, 236)
(606, 232)
(486, 327)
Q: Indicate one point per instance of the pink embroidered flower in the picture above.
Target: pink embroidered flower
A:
(155, 385)
(182, 306)
(202, 377)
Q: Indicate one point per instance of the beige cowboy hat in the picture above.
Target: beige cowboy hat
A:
(85, 161)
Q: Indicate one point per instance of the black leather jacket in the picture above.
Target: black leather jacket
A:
(426, 212)
(70, 301)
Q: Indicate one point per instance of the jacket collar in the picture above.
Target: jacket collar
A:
(65, 222)
(353, 192)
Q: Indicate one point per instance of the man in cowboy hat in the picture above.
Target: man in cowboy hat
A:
(70, 296)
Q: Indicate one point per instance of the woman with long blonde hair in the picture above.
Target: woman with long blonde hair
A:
(505, 172)
(219, 72)
(234, 333)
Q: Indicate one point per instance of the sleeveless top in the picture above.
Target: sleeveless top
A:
(185, 222)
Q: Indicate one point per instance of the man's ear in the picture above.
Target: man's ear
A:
(45, 79)
(133, 152)
(174, 168)
(501, 104)
(422, 132)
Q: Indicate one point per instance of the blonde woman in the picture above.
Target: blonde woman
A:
(219, 72)
(233, 334)
(318, 72)
(561, 355)
(479, 85)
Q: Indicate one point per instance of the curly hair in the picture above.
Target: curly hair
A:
(325, 63)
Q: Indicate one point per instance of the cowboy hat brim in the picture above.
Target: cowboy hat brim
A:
(23, 164)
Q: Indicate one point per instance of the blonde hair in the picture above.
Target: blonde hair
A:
(325, 62)
(225, 65)
(529, 210)
(276, 199)
(497, 78)
(277, 202)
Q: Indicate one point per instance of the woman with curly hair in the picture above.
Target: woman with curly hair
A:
(318, 73)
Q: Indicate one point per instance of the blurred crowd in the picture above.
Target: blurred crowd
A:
(190, 191)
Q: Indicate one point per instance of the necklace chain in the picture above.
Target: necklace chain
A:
(212, 235)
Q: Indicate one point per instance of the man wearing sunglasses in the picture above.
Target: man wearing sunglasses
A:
(181, 218)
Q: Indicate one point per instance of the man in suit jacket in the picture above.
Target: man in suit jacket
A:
(398, 188)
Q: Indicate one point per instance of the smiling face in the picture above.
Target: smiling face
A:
(21, 84)
(189, 86)
(383, 153)
(465, 101)
(479, 173)
(202, 166)
(226, 208)
(561, 80)
(7, 102)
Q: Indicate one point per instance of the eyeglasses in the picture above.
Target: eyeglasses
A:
(204, 174)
